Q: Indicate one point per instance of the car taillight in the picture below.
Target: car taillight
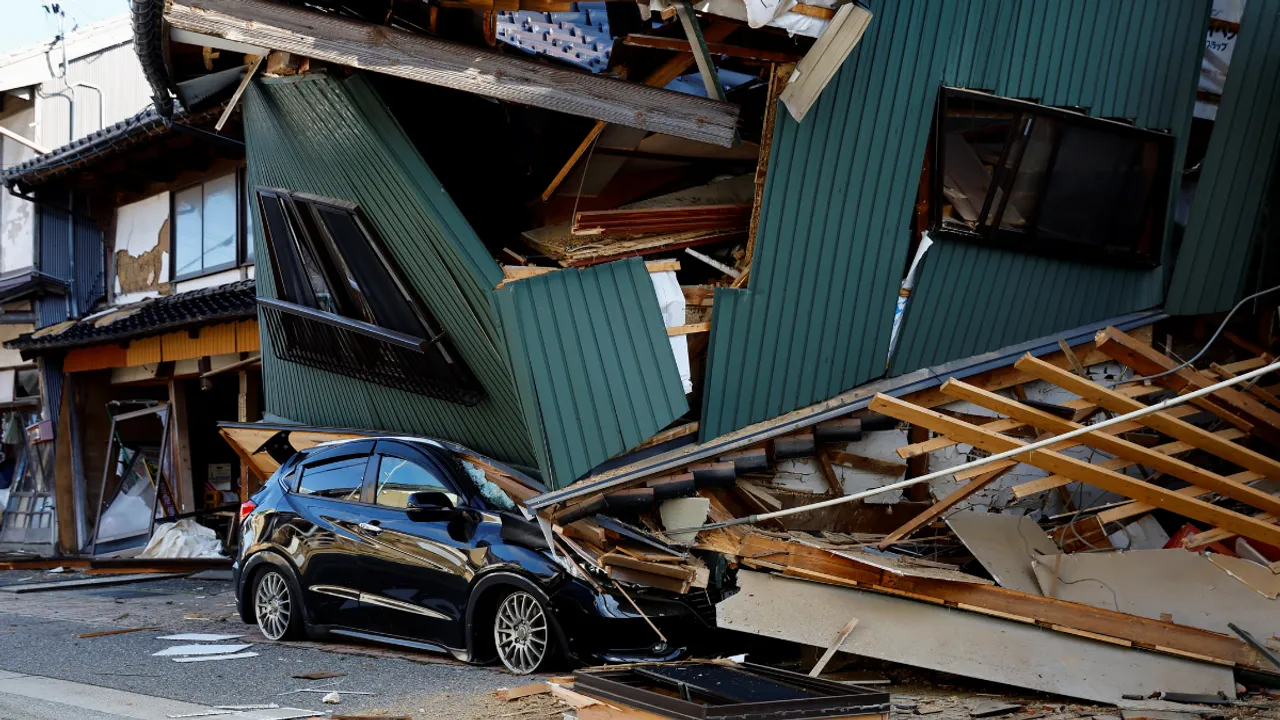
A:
(247, 507)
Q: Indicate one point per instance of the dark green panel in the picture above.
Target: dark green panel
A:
(595, 362)
(834, 225)
(1210, 275)
(334, 138)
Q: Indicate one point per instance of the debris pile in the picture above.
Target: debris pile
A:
(1138, 558)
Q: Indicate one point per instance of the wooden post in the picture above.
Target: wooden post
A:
(183, 484)
(918, 465)
(248, 411)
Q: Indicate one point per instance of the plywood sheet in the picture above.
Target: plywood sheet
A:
(1203, 591)
(1005, 545)
(955, 641)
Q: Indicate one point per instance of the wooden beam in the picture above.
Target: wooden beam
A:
(391, 51)
(1259, 392)
(1134, 509)
(817, 564)
(235, 97)
(689, 329)
(1210, 537)
(936, 510)
(1148, 361)
(1161, 422)
(722, 49)
(668, 71)
(1115, 446)
(867, 464)
(1102, 478)
(693, 32)
(829, 473)
(777, 83)
(1124, 427)
(1033, 487)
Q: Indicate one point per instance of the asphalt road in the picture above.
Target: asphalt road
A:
(38, 637)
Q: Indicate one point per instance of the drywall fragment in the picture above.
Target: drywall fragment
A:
(183, 650)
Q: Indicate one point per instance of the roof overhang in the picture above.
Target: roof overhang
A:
(29, 283)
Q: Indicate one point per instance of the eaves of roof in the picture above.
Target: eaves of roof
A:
(223, 303)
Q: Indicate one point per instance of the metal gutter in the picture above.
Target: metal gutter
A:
(853, 400)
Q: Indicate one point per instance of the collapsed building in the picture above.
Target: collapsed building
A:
(694, 264)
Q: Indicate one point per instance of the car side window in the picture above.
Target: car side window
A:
(339, 480)
(399, 478)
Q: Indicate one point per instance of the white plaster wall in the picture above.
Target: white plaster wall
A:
(138, 227)
(219, 278)
(17, 216)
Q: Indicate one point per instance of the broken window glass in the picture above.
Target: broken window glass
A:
(1024, 176)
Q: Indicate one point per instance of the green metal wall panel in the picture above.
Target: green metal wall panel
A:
(575, 364)
(334, 138)
(834, 225)
(1210, 274)
(597, 363)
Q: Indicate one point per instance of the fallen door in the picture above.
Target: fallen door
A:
(134, 481)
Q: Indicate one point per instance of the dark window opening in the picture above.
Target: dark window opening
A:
(344, 306)
(1027, 177)
(339, 480)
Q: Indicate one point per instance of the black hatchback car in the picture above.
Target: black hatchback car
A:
(394, 540)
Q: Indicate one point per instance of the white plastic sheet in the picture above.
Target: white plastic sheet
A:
(671, 301)
(185, 538)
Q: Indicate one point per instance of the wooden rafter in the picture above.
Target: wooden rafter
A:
(1160, 422)
(1146, 360)
(1080, 470)
(1116, 446)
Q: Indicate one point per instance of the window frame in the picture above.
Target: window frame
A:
(1155, 208)
(241, 223)
(405, 451)
(411, 352)
(325, 456)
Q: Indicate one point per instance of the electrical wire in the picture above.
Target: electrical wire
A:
(1221, 326)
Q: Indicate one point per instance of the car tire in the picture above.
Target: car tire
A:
(277, 605)
(523, 633)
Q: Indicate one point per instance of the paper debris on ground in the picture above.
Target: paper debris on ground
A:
(200, 650)
(199, 637)
(332, 698)
(203, 658)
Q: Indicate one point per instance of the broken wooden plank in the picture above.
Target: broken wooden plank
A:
(663, 220)
(1261, 393)
(512, 273)
(392, 51)
(121, 631)
(1209, 537)
(1148, 361)
(1133, 509)
(722, 49)
(820, 64)
(835, 645)
(1055, 462)
(1160, 421)
(936, 510)
(688, 329)
(867, 464)
(668, 71)
(1116, 446)
(1033, 487)
(1118, 428)
(829, 473)
(777, 83)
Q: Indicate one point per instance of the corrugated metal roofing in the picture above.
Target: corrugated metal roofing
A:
(833, 239)
(335, 138)
(576, 365)
(597, 371)
(1210, 272)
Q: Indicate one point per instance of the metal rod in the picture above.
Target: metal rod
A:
(1172, 402)
(40, 149)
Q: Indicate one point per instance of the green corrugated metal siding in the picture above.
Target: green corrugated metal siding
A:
(598, 370)
(335, 138)
(577, 367)
(833, 236)
(1212, 264)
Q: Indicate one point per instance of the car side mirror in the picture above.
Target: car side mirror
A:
(432, 506)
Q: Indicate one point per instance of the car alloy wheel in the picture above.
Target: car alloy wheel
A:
(273, 605)
(521, 632)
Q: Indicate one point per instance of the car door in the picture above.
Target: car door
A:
(418, 572)
(322, 535)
